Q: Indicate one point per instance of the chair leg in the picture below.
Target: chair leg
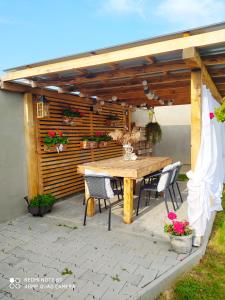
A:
(109, 217)
(181, 199)
(84, 200)
(99, 205)
(171, 197)
(165, 200)
(85, 213)
(149, 198)
(156, 195)
(139, 199)
(175, 197)
(105, 204)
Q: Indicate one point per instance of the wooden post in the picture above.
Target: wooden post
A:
(196, 104)
(31, 146)
(128, 200)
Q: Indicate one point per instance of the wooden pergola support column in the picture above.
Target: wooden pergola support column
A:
(31, 147)
(196, 109)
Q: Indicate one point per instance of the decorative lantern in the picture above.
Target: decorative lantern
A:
(42, 107)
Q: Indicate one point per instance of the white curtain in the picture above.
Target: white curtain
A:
(205, 184)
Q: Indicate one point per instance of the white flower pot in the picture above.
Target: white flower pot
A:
(181, 244)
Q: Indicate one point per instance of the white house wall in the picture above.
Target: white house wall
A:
(13, 180)
(175, 122)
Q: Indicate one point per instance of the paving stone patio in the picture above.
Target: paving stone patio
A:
(104, 265)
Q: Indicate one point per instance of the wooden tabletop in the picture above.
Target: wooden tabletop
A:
(130, 169)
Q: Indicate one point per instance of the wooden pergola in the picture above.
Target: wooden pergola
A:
(175, 66)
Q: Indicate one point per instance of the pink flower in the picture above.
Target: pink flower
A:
(171, 215)
(211, 115)
(178, 227)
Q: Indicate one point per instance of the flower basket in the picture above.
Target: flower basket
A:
(181, 244)
(89, 145)
(72, 121)
(102, 144)
(55, 148)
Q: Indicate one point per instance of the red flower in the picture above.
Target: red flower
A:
(99, 133)
(171, 215)
(60, 133)
(51, 133)
(81, 114)
(178, 227)
(211, 115)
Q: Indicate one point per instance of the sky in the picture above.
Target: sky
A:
(36, 30)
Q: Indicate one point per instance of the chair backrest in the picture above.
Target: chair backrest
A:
(165, 178)
(99, 186)
(176, 169)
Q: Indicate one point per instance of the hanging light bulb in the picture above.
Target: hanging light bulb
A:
(114, 98)
(170, 102)
(161, 102)
(144, 82)
(102, 102)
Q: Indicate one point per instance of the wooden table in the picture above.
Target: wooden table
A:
(130, 170)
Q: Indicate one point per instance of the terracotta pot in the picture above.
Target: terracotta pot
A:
(66, 120)
(85, 144)
(102, 144)
(93, 145)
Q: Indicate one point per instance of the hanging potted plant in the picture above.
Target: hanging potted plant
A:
(111, 120)
(55, 141)
(72, 116)
(40, 204)
(153, 131)
(180, 234)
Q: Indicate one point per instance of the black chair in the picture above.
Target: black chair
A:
(97, 189)
(157, 182)
(174, 181)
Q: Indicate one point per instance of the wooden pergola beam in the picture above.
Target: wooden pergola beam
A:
(202, 39)
(194, 61)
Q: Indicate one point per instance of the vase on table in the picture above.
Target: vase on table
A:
(128, 153)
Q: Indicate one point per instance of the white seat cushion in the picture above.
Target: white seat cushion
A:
(108, 187)
(163, 178)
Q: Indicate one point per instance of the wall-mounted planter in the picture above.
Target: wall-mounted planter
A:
(89, 145)
(72, 121)
(111, 123)
(102, 144)
(55, 148)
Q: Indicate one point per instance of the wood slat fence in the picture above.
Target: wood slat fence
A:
(58, 172)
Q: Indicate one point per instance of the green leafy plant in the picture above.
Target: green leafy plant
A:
(42, 200)
(153, 132)
(72, 113)
(66, 271)
(220, 112)
(112, 117)
(54, 138)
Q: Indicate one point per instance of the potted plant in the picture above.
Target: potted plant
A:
(40, 204)
(153, 132)
(72, 116)
(89, 142)
(180, 234)
(55, 141)
(102, 138)
(111, 120)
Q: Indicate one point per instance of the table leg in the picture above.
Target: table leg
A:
(91, 203)
(128, 200)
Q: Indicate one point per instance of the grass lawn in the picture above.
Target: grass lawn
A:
(206, 281)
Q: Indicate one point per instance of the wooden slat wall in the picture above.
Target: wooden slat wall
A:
(57, 172)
